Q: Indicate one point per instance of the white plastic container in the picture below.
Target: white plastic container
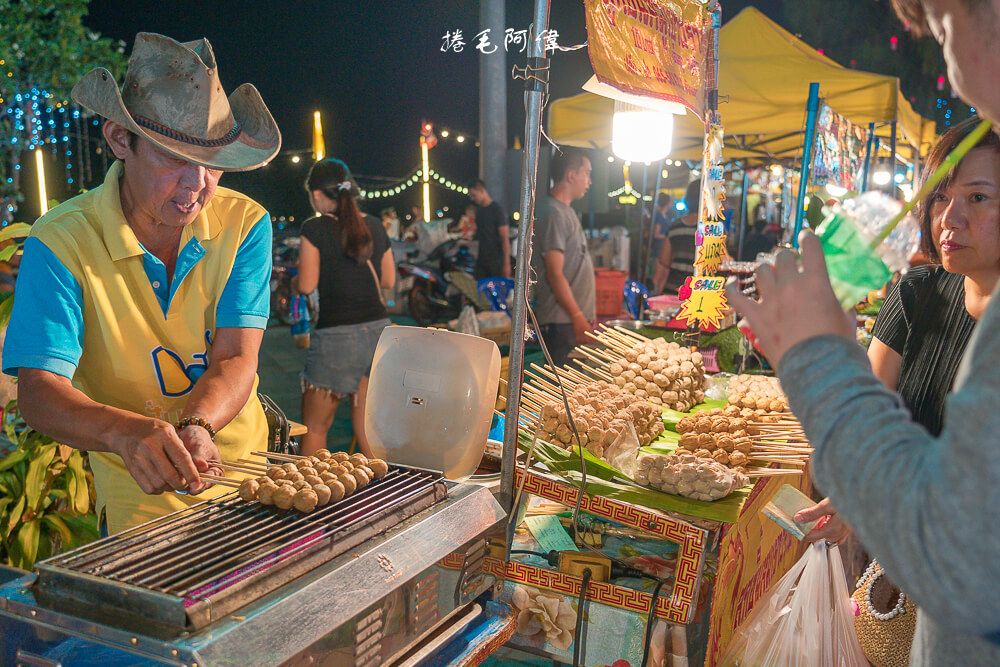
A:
(430, 399)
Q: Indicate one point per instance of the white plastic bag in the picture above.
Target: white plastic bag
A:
(804, 620)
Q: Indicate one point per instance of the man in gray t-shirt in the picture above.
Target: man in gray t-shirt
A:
(565, 295)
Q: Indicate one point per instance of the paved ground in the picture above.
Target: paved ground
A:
(279, 368)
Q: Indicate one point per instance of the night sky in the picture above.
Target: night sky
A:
(373, 69)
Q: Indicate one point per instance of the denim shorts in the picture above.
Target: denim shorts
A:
(339, 357)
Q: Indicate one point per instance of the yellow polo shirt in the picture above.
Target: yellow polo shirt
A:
(93, 305)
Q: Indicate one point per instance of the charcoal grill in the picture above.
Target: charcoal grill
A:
(230, 582)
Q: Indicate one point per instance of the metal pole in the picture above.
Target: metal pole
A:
(536, 87)
(493, 104)
(892, 158)
(643, 254)
(744, 210)
(652, 225)
(866, 169)
(811, 107)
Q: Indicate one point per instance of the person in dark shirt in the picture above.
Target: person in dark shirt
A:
(492, 233)
(662, 218)
(346, 256)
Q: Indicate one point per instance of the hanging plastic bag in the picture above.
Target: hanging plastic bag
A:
(804, 620)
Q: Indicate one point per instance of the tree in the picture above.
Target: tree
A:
(44, 50)
(868, 36)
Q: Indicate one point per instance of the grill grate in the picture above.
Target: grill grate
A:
(225, 547)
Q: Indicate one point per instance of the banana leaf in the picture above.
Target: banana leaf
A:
(77, 485)
(600, 482)
(34, 483)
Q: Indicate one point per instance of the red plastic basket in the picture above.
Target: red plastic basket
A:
(610, 287)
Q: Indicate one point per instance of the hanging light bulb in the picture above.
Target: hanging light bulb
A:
(639, 134)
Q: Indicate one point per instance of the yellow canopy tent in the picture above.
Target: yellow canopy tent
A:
(764, 77)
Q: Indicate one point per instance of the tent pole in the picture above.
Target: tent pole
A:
(892, 158)
(744, 211)
(644, 269)
(536, 88)
(811, 108)
(867, 166)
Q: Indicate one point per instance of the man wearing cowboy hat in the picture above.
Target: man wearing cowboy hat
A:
(141, 304)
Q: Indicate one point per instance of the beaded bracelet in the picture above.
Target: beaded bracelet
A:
(196, 421)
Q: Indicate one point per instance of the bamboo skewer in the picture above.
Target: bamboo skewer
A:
(237, 467)
(617, 347)
(598, 373)
(592, 354)
(771, 472)
(221, 481)
(632, 334)
(291, 458)
(556, 376)
(620, 339)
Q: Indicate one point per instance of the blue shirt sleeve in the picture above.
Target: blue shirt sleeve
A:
(46, 325)
(246, 300)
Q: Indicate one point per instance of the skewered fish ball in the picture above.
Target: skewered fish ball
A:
(301, 484)
(721, 456)
(289, 467)
(248, 489)
(323, 454)
(303, 463)
(339, 456)
(349, 483)
(283, 497)
(265, 494)
(313, 480)
(703, 425)
(738, 458)
(368, 471)
(647, 374)
(306, 471)
(744, 445)
(347, 464)
(305, 500)
(616, 369)
(706, 441)
(688, 441)
(360, 476)
(337, 491)
(703, 454)
(629, 375)
(358, 459)
(379, 467)
(337, 470)
(276, 473)
(321, 466)
(294, 477)
(323, 494)
(264, 480)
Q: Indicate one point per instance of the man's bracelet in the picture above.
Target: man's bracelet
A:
(196, 421)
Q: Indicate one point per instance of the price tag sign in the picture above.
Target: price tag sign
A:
(550, 533)
(710, 254)
(704, 301)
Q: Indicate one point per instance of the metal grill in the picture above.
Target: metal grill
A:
(191, 567)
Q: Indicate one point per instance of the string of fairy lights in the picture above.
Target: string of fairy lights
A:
(413, 179)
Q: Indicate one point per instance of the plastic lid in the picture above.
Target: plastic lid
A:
(430, 399)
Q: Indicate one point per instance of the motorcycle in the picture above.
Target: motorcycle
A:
(434, 297)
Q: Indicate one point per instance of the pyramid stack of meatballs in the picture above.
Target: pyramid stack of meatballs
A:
(313, 481)
(757, 392)
(600, 411)
(662, 373)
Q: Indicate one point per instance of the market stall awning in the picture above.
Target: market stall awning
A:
(764, 76)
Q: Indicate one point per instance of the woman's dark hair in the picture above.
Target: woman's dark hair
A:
(692, 196)
(329, 176)
(941, 150)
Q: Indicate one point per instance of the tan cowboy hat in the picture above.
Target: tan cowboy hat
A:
(172, 96)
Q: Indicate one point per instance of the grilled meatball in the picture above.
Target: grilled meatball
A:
(327, 477)
(379, 467)
(308, 470)
(337, 491)
(295, 476)
(301, 484)
(313, 480)
(323, 454)
(289, 467)
(339, 456)
(360, 476)
(337, 470)
(368, 471)
(350, 484)
(358, 459)
(323, 494)
(347, 464)
(276, 473)
(248, 489)
(305, 500)
(283, 497)
(321, 467)
(265, 494)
